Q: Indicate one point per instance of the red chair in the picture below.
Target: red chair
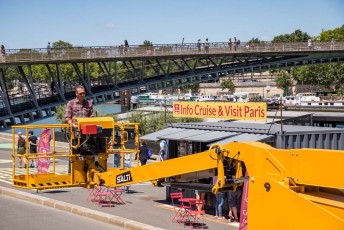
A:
(117, 193)
(105, 197)
(92, 193)
(195, 214)
(177, 206)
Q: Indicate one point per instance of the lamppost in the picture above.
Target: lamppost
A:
(165, 108)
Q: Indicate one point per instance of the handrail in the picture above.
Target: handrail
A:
(97, 52)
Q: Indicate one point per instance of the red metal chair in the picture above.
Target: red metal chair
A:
(195, 214)
(92, 193)
(177, 206)
(117, 193)
(105, 197)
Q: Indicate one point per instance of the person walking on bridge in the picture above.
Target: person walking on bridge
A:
(230, 44)
(48, 49)
(199, 45)
(206, 45)
(3, 53)
(126, 46)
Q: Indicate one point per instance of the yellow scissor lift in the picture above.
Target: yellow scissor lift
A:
(287, 189)
(82, 167)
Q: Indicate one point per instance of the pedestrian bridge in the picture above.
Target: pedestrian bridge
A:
(137, 70)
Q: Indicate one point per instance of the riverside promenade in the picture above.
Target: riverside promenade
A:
(145, 206)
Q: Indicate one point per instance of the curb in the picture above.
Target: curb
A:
(78, 210)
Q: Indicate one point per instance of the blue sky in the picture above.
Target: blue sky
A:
(32, 23)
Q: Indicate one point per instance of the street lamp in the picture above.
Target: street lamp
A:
(165, 109)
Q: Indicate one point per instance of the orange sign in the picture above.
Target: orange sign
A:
(225, 110)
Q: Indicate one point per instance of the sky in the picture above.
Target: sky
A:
(32, 23)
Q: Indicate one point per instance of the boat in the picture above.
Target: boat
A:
(201, 98)
(310, 101)
(246, 97)
(146, 98)
(301, 99)
(166, 101)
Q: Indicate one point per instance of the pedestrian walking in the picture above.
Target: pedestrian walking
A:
(199, 45)
(206, 45)
(3, 53)
(163, 150)
(310, 44)
(230, 44)
(21, 144)
(48, 49)
(33, 141)
(126, 46)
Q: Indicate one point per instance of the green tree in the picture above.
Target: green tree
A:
(255, 40)
(228, 84)
(193, 87)
(296, 36)
(319, 75)
(283, 80)
(62, 44)
(336, 34)
(147, 43)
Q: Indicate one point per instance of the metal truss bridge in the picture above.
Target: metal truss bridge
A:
(140, 69)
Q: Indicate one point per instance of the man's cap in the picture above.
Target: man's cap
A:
(19, 133)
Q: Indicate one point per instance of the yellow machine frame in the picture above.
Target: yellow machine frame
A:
(287, 189)
(77, 176)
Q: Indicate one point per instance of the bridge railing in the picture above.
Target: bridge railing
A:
(94, 52)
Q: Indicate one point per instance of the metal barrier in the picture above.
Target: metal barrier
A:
(93, 52)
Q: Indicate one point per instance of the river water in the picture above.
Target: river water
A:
(102, 108)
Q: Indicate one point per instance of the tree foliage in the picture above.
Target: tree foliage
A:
(296, 36)
(283, 80)
(228, 84)
(322, 75)
(147, 43)
(336, 34)
(62, 44)
(255, 40)
(193, 87)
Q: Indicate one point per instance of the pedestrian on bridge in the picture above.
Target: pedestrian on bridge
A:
(126, 46)
(199, 45)
(206, 45)
(48, 49)
(3, 53)
(230, 44)
(310, 44)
